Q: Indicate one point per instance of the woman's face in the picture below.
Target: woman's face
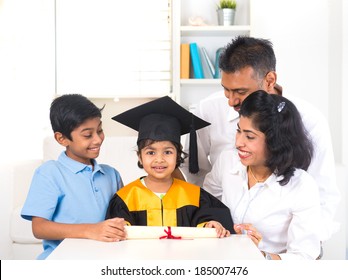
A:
(250, 143)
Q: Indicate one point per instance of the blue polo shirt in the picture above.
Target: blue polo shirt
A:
(67, 191)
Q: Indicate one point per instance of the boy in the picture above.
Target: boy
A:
(68, 198)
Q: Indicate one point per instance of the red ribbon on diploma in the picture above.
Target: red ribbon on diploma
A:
(169, 235)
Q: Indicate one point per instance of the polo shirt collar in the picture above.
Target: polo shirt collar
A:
(76, 166)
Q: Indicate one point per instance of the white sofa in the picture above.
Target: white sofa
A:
(17, 240)
(118, 152)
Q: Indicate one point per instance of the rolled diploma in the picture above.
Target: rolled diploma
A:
(154, 232)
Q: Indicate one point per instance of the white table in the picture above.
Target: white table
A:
(235, 247)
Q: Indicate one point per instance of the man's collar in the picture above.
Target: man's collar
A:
(232, 114)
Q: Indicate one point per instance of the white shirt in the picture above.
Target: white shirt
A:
(288, 217)
(215, 138)
(220, 135)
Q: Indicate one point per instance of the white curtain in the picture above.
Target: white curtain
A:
(112, 48)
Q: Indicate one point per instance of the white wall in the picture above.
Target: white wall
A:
(26, 88)
(335, 75)
(300, 38)
(27, 75)
(344, 32)
(345, 102)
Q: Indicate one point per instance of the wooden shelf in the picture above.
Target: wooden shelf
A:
(215, 30)
(195, 82)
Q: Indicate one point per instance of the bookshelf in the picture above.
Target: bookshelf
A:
(188, 92)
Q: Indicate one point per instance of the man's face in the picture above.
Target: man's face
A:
(238, 85)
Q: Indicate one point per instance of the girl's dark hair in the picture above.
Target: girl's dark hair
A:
(288, 143)
(69, 111)
(181, 155)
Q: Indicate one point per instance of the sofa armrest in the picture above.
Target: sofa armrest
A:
(15, 182)
(21, 230)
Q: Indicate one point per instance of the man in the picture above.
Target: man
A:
(249, 64)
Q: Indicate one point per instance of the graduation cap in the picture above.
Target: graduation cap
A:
(164, 120)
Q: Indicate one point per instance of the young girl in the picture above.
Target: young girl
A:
(159, 199)
(264, 182)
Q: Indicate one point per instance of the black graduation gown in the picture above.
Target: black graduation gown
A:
(184, 204)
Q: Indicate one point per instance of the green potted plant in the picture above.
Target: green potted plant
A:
(226, 10)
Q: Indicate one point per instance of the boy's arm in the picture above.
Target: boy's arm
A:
(108, 230)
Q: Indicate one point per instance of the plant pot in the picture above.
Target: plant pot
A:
(226, 16)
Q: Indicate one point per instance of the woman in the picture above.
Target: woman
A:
(264, 182)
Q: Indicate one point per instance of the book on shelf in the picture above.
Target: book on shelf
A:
(208, 67)
(184, 61)
(217, 74)
(196, 61)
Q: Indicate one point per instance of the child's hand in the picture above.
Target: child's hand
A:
(250, 230)
(110, 230)
(220, 230)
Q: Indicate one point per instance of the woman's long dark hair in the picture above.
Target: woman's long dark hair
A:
(288, 143)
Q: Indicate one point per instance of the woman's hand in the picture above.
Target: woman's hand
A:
(220, 230)
(250, 230)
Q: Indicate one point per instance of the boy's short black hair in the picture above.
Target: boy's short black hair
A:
(69, 111)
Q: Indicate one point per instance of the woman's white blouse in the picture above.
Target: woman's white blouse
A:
(287, 216)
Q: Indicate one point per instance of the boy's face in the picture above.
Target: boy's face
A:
(86, 141)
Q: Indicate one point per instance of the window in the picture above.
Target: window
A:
(112, 48)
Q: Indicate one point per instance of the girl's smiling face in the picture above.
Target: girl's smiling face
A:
(159, 159)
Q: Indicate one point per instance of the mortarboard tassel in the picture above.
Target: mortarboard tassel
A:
(193, 153)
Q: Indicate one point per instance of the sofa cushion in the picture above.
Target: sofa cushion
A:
(117, 151)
